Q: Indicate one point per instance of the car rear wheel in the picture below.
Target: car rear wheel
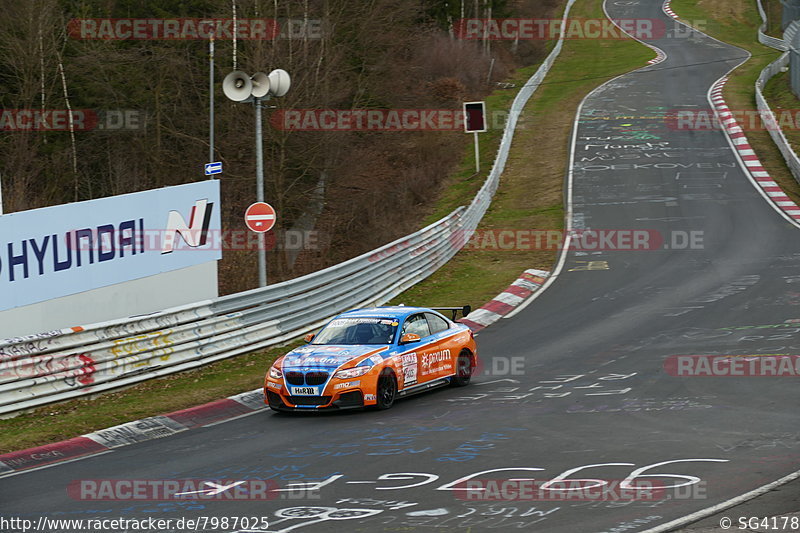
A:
(386, 391)
(463, 370)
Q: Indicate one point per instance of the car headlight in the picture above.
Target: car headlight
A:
(275, 373)
(352, 372)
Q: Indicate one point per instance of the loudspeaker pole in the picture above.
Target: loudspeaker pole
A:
(240, 87)
(262, 252)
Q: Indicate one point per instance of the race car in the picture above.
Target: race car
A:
(371, 357)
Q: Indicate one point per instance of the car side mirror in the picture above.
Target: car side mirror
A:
(309, 337)
(409, 337)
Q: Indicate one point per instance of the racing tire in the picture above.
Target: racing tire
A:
(386, 391)
(463, 370)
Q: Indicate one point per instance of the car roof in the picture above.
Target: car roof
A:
(393, 311)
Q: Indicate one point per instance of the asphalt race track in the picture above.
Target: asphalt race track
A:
(574, 386)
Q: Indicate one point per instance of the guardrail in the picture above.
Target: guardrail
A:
(59, 365)
(768, 117)
(768, 40)
(772, 42)
(790, 34)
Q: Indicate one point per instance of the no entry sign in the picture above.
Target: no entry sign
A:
(260, 217)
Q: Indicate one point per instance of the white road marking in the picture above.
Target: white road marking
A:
(234, 418)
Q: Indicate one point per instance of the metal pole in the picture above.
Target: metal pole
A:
(477, 154)
(211, 99)
(1, 197)
(262, 252)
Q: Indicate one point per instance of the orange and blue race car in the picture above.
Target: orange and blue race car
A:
(370, 357)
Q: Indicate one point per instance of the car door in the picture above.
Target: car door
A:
(440, 359)
(411, 359)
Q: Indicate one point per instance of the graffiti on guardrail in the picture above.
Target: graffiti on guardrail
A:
(75, 369)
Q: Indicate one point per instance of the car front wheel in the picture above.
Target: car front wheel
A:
(387, 390)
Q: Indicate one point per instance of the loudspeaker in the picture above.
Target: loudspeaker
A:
(237, 86)
(260, 84)
(279, 82)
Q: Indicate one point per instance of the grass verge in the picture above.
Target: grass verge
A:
(736, 22)
(529, 197)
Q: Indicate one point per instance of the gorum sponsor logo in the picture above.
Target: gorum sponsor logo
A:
(436, 357)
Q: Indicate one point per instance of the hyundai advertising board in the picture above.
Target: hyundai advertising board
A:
(67, 249)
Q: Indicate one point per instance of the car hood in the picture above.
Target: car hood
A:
(327, 356)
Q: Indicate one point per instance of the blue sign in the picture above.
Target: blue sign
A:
(214, 168)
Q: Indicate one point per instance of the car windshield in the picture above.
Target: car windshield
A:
(361, 330)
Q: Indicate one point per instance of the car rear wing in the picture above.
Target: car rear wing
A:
(465, 310)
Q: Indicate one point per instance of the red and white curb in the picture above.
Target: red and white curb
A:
(502, 304)
(748, 155)
(142, 430)
(660, 55)
(668, 10)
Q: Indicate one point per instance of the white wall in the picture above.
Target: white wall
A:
(136, 297)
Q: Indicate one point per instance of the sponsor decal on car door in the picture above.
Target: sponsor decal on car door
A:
(436, 363)
(440, 350)
(410, 362)
(409, 366)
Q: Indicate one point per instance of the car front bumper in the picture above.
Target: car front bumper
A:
(350, 399)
